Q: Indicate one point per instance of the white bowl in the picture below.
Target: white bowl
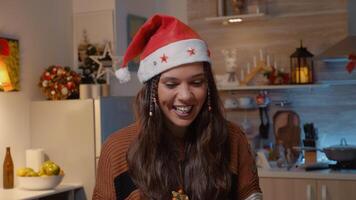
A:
(39, 182)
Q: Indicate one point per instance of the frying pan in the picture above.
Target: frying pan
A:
(342, 152)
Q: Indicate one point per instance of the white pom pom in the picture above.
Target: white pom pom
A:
(123, 74)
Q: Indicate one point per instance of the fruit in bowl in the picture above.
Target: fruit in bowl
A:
(49, 176)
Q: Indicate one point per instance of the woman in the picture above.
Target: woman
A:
(181, 146)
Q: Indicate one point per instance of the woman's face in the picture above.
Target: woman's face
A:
(182, 92)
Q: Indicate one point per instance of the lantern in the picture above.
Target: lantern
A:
(301, 66)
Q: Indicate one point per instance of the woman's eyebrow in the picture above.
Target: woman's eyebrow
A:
(198, 75)
(171, 78)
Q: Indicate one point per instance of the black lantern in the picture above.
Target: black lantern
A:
(301, 66)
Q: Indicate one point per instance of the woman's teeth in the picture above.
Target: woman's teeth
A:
(183, 109)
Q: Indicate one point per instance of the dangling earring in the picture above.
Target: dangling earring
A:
(153, 99)
(209, 100)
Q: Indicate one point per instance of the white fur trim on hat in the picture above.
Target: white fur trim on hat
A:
(173, 55)
(123, 74)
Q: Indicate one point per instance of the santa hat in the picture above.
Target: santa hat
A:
(164, 42)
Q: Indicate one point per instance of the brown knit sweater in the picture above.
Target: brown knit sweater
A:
(113, 180)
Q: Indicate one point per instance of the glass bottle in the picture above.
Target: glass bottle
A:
(8, 170)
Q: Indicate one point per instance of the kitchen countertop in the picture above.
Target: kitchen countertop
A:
(16, 193)
(301, 173)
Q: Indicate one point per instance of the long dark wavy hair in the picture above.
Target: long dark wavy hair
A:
(153, 159)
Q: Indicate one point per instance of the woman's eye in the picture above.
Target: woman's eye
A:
(198, 82)
(170, 85)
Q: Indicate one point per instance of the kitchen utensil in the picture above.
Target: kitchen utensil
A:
(287, 131)
(264, 126)
(342, 152)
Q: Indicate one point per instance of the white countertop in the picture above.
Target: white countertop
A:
(16, 193)
(301, 173)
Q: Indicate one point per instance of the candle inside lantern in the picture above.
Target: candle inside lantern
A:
(302, 75)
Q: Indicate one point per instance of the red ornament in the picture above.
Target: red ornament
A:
(352, 63)
(70, 85)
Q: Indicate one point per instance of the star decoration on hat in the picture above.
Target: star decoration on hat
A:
(191, 51)
(107, 63)
(164, 58)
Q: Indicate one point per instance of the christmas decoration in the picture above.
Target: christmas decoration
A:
(179, 195)
(59, 82)
(107, 64)
(276, 77)
(163, 42)
(352, 63)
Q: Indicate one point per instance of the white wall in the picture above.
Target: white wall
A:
(92, 5)
(44, 30)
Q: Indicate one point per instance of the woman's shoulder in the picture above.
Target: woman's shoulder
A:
(235, 131)
(120, 140)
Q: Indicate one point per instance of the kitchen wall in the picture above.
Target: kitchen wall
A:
(319, 24)
(44, 29)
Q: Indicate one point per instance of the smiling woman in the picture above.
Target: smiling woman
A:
(181, 146)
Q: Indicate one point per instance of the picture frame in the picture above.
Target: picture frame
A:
(134, 22)
(9, 64)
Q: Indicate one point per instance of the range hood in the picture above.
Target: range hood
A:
(341, 50)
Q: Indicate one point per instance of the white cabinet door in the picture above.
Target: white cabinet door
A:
(336, 189)
(288, 188)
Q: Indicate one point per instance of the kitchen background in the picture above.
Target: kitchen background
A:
(45, 31)
(320, 25)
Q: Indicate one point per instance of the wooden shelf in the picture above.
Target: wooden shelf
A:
(245, 17)
(270, 87)
(319, 84)
(262, 16)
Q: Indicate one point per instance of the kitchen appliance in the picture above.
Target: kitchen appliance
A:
(340, 153)
(340, 51)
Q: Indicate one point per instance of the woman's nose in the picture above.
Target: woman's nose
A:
(184, 93)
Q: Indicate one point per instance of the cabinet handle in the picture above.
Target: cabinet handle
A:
(309, 192)
(323, 192)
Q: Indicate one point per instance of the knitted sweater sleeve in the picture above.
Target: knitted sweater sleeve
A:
(243, 164)
(112, 179)
(104, 185)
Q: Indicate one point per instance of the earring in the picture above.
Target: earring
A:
(209, 100)
(153, 99)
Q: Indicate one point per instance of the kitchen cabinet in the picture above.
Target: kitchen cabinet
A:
(307, 189)
(336, 189)
(291, 189)
(71, 133)
(61, 192)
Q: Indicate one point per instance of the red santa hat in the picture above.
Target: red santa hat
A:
(163, 42)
